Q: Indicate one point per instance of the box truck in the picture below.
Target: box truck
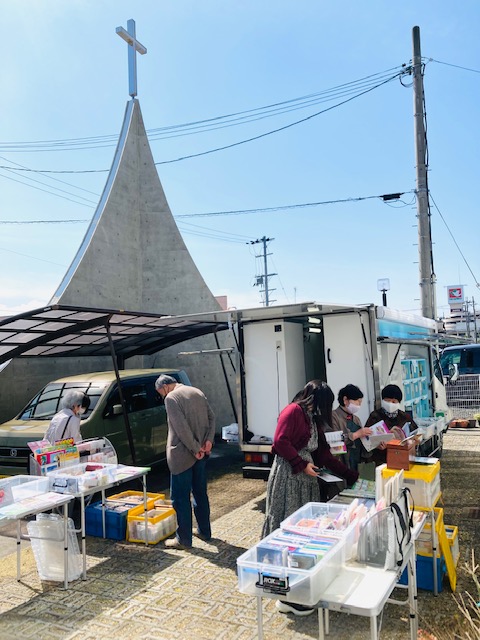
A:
(280, 348)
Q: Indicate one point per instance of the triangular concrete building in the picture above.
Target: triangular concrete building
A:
(132, 257)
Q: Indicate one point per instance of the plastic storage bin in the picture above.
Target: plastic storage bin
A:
(17, 488)
(425, 573)
(115, 520)
(82, 477)
(47, 545)
(317, 519)
(423, 481)
(452, 536)
(135, 498)
(161, 523)
(423, 544)
(263, 570)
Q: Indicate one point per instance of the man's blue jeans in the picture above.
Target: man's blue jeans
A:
(192, 481)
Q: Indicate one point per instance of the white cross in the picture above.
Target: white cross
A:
(133, 47)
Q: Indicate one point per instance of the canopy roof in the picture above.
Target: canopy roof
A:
(62, 331)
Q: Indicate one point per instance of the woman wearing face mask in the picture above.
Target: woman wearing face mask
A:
(393, 417)
(66, 423)
(344, 419)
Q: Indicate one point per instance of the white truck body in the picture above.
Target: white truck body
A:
(281, 348)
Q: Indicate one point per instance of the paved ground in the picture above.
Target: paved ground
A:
(154, 594)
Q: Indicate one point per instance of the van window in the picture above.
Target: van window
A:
(468, 360)
(47, 402)
(138, 395)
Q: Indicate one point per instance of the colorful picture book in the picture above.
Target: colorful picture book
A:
(380, 433)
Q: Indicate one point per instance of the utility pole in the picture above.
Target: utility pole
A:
(263, 279)
(474, 319)
(427, 275)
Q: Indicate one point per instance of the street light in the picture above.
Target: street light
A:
(383, 285)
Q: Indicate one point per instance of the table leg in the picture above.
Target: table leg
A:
(65, 544)
(434, 552)
(145, 507)
(259, 618)
(412, 596)
(321, 632)
(327, 622)
(104, 529)
(84, 542)
(373, 628)
(18, 549)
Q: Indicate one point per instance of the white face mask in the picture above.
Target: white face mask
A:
(390, 407)
(352, 408)
(81, 411)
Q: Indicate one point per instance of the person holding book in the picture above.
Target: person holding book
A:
(344, 419)
(300, 450)
(394, 418)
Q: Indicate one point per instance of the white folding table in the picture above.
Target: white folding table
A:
(31, 506)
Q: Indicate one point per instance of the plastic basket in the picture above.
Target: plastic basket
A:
(46, 537)
(161, 523)
(135, 498)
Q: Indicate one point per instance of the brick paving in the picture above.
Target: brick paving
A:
(133, 592)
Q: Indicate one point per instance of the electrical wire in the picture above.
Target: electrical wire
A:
(457, 66)
(284, 128)
(280, 207)
(302, 205)
(207, 124)
(454, 240)
(251, 139)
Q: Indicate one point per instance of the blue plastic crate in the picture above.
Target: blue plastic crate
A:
(115, 520)
(425, 573)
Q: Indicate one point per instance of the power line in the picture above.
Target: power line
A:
(287, 207)
(233, 119)
(457, 66)
(281, 207)
(245, 141)
(456, 243)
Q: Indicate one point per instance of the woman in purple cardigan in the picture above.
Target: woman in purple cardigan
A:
(300, 447)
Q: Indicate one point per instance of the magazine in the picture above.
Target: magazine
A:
(380, 433)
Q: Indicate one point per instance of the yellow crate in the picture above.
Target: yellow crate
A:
(135, 498)
(161, 523)
(423, 482)
(423, 544)
(452, 537)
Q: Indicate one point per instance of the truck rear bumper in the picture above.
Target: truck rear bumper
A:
(257, 473)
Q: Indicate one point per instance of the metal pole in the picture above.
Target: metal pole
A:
(264, 240)
(474, 320)
(384, 297)
(427, 284)
(121, 396)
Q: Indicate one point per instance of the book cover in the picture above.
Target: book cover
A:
(380, 433)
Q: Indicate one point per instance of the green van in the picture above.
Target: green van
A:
(104, 418)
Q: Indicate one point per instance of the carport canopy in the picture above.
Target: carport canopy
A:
(64, 331)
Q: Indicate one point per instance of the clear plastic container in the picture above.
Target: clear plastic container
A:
(317, 519)
(263, 570)
(46, 534)
(17, 488)
(80, 478)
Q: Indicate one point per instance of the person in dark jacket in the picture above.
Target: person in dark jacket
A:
(394, 418)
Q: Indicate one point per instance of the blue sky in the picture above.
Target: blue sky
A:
(66, 78)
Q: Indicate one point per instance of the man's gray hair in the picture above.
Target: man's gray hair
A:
(72, 399)
(163, 380)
